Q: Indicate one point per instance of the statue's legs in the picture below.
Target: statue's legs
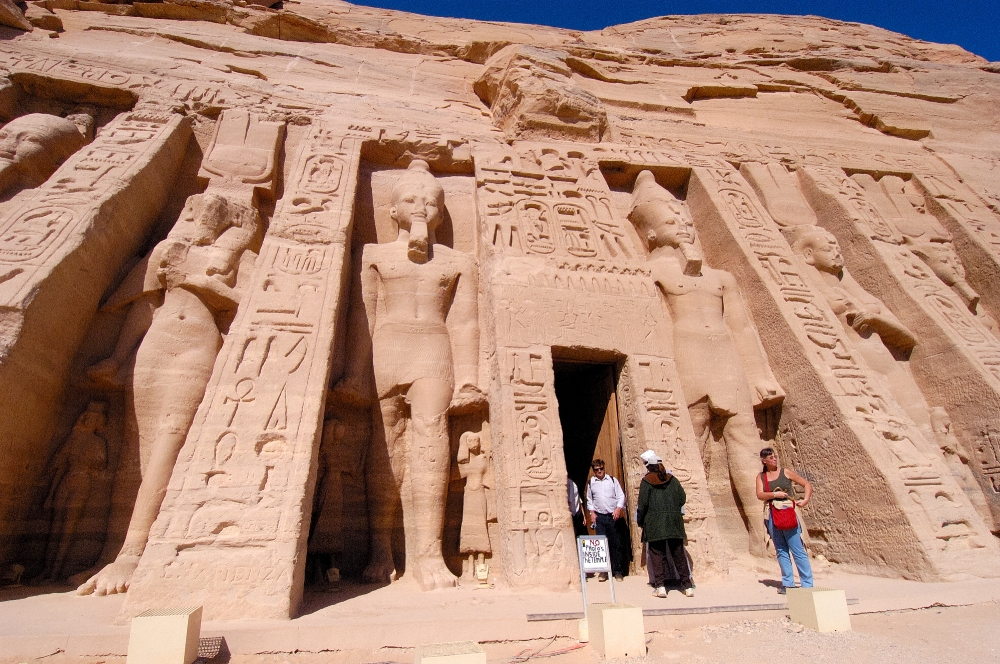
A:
(743, 445)
(172, 368)
(382, 482)
(428, 465)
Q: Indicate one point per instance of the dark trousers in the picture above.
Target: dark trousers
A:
(579, 527)
(606, 527)
(664, 552)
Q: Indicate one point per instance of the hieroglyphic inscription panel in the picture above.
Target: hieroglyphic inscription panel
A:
(542, 200)
(537, 542)
(233, 525)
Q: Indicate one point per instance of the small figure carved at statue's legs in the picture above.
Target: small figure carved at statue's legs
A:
(78, 467)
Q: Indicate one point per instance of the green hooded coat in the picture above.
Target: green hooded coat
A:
(661, 497)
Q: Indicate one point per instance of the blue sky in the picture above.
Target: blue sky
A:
(972, 24)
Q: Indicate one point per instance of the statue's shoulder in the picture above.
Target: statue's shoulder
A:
(663, 267)
(454, 256)
(373, 252)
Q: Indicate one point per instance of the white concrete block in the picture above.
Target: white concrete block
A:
(461, 652)
(165, 636)
(617, 630)
(821, 609)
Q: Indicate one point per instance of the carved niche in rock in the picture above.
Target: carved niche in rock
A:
(420, 298)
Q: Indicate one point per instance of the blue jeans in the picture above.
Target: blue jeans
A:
(790, 541)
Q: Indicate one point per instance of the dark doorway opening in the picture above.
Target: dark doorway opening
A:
(588, 412)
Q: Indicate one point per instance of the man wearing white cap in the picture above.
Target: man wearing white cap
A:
(660, 515)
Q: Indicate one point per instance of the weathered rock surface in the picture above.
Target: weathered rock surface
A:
(289, 288)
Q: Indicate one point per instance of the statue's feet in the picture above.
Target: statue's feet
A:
(105, 374)
(432, 573)
(113, 579)
(379, 570)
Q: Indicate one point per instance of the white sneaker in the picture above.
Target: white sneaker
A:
(660, 592)
(689, 592)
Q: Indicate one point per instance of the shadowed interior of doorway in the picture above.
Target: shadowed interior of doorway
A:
(588, 413)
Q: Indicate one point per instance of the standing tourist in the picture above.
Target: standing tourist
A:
(660, 515)
(775, 488)
(606, 503)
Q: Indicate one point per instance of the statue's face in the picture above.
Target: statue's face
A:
(824, 253)
(20, 141)
(944, 262)
(416, 208)
(89, 421)
(670, 225)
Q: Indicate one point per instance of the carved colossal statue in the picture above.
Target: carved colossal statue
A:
(723, 369)
(78, 469)
(179, 295)
(32, 147)
(473, 465)
(875, 332)
(421, 302)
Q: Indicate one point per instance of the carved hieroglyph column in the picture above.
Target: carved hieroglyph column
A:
(231, 534)
(957, 359)
(536, 532)
(61, 245)
(874, 507)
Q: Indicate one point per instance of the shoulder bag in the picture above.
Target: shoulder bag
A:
(782, 511)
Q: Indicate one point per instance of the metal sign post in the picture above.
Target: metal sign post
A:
(595, 556)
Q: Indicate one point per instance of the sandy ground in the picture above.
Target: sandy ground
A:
(945, 635)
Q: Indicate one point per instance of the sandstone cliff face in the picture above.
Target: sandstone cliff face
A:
(308, 277)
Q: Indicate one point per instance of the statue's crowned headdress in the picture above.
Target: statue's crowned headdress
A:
(419, 173)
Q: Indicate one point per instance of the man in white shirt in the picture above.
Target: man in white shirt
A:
(606, 504)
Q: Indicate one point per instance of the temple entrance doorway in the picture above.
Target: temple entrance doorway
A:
(588, 413)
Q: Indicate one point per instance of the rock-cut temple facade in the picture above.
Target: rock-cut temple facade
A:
(295, 291)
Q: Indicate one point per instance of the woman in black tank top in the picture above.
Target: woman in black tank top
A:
(775, 483)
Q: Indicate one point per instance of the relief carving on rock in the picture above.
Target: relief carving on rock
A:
(181, 298)
(421, 302)
(723, 369)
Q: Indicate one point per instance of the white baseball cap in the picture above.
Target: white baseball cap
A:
(650, 458)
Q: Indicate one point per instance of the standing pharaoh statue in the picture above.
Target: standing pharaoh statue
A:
(79, 468)
(180, 297)
(723, 369)
(421, 302)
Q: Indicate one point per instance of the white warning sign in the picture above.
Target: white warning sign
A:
(595, 556)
